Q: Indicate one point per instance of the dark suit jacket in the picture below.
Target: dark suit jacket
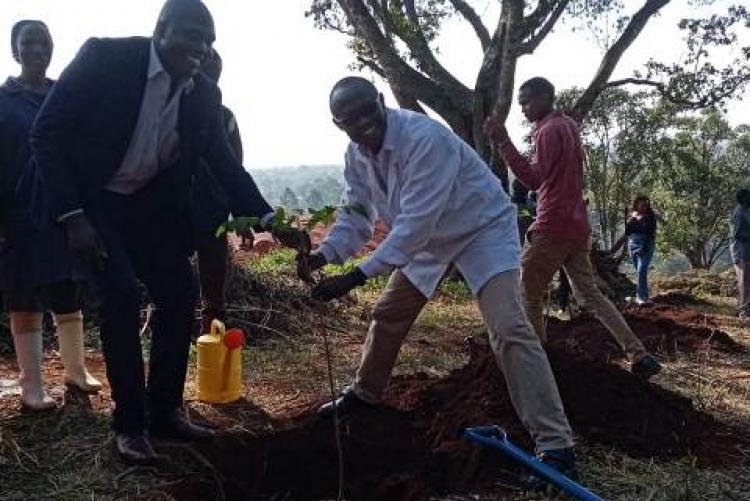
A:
(83, 130)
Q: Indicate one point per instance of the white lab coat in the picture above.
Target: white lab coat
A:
(441, 201)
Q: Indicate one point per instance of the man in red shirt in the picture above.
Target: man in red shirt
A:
(561, 235)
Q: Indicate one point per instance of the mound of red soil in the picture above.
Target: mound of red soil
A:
(413, 447)
(665, 330)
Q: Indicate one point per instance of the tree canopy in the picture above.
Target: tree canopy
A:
(399, 40)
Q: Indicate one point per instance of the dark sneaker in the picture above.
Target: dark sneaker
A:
(562, 460)
(135, 449)
(176, 425)
(646, 367)
(347, 403)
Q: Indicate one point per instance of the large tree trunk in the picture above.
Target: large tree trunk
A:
(697, 257)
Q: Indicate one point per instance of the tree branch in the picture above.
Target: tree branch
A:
(411, 82)
(372, 65)
(613, 56)
(712, 98)
(535, 19)
(473, 18)
(420, 50)
(533, 42)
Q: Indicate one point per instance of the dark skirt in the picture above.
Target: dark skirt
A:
(33, 256)
(60, 298)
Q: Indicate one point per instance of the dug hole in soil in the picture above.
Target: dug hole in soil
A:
(412, 448)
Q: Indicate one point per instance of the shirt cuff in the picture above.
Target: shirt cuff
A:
(329, 253)
(67, 215)
(374, 267)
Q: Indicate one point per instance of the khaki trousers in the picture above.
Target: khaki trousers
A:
(542, 257)
(743, 286)
(519, 353)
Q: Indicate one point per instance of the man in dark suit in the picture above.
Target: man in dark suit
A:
(118, 142)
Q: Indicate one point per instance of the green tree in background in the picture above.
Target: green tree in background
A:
(690, 164)
(398, 40)
(624, 141)
(315, 200)
(290, 200)
(694, 191)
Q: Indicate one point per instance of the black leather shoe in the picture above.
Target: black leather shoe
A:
(347, 403)
(562, 460)
(135, 449)
(177, 426)
(646, 367)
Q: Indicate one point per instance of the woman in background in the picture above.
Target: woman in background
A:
(640, 230)
(36, 268)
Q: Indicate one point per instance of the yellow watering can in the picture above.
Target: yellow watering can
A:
(219, 378)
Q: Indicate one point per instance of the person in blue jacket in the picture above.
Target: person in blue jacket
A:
(36, 267)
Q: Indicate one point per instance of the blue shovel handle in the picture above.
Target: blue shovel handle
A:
(496, 438)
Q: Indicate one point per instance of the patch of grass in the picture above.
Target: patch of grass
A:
(455, 289)
(276, 261)
(434, 360)
(615, 476)
(64, 456)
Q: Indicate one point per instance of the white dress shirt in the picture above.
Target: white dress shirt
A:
(154, 144)
(441, 201)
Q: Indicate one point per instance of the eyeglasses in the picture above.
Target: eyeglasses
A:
(366, 110)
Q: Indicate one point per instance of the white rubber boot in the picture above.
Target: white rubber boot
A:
(70, 337)
(27, 338)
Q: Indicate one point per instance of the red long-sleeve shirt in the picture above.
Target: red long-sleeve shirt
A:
(555, 172)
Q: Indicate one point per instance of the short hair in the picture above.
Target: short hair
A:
(743, 197)
(365, 86)
(174, 8)
(539, 86)
(15, 32)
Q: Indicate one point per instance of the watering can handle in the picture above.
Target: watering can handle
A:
(217, 328)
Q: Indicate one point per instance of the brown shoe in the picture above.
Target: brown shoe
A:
(135, 449)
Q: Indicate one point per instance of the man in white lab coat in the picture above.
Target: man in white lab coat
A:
(443, 205)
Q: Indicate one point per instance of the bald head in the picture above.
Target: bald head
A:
(184, 36)
(182, 10)
(358, 110)
(351, 89)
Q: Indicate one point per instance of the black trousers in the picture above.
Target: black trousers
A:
(147, 240)
(213, 255)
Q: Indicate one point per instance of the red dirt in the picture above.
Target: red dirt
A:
(265, 243)
(413, 447)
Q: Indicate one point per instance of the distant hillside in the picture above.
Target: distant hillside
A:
(301, 187)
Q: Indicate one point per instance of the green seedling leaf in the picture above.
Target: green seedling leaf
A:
(237, 225)
(325, 215)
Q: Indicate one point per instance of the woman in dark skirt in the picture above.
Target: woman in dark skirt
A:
(36, 267)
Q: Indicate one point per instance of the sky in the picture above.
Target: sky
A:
(278, 69)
